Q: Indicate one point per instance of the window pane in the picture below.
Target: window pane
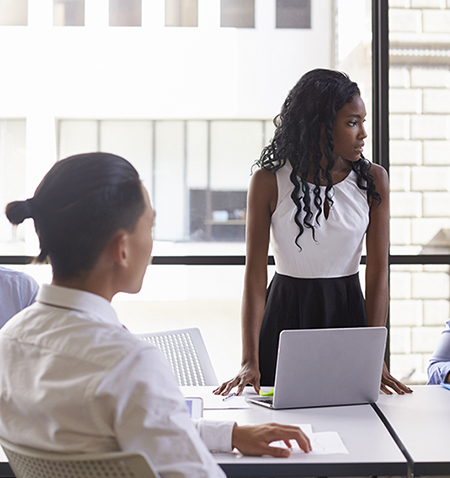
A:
(237, 13)
(181, 13)
(77, 136)
(134, 141)
(125, 13)
(419, 96)
(293, 14)
(13, 12)
(68, 13)
(13, 178)
(170, 190)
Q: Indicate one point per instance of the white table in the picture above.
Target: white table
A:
(422, 423)
(372, 451)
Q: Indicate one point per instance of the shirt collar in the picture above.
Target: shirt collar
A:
(95, 306)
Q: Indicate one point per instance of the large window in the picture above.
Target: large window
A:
(293, 14)
(420, 181)
(237, 13)
(197, 171)
(181, 13)
(13, 177)
(192, 109)
(125, 13)
(68, 12)
(13, 12)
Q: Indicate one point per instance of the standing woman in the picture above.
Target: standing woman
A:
(318, 197)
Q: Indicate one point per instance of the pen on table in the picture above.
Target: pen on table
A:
(231, 395)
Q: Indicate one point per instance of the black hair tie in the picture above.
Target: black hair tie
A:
(29, 207)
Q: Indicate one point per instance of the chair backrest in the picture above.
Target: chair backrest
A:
(187, 354)
(30, 463)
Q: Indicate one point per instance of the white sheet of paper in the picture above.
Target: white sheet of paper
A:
(216, 402)
(322, 443)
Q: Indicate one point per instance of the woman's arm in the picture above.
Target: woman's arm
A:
(261, 202)
(377, 246)
(377, 288)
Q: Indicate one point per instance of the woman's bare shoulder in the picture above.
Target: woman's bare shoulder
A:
(263, 187)
(378, 173)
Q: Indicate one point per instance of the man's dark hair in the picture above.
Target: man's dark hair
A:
(78, 207)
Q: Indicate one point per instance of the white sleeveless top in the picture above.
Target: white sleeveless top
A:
(339, 238)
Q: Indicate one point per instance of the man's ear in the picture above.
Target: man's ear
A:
(118, 248)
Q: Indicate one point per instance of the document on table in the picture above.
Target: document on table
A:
(215, 402)
(322, 443)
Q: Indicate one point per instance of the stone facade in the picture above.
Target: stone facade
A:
(420, 178)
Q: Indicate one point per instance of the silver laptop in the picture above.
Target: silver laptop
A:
(327, 367)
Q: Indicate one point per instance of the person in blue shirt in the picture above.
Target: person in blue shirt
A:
(439, 366)
(17, 291)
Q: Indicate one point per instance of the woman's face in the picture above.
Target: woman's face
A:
(349, 131)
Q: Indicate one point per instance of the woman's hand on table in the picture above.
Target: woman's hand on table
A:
(387, 380)
(255, 439)
(249, 374)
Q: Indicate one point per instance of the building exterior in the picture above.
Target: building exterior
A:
(186, 90)
(419, 177)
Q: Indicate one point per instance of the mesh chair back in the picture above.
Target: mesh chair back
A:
(30, 463)
(187, 354)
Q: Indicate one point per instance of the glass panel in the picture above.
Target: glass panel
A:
(201, 300)
(181, 13)
(125, 13)
(237, 13)
(134, 141)
(293, 14)
(77, 136)
(13, 12)
(170, 195)
(419, 95)
(13, 176)
(419, 308)
(68, 13)
(354, 53)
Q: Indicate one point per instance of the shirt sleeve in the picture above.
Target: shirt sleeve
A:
(150, 414)
(439, 365)
(216, 435)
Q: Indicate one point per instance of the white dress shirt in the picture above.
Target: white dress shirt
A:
(439, 365)
(17, 291)
(73, 380)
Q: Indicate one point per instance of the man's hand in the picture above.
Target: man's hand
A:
(255, 439)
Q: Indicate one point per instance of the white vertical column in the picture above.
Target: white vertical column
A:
(40, 13)
(153, 13)
(209, 13)
(97, 13)
(265, 14)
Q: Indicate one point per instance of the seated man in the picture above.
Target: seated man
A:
(17, 291)
(439, 366)
(85, 384)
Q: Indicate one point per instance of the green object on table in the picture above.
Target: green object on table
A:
(267, 394)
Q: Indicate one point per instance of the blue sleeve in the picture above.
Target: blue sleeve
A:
(439, 365)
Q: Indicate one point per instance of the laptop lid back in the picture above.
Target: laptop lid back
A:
(326, 367)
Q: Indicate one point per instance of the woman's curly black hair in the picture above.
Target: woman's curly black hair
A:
(310, 106)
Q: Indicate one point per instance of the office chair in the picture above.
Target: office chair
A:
(187, 354)
(30, 463)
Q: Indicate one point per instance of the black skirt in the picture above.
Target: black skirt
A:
(293, 303)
